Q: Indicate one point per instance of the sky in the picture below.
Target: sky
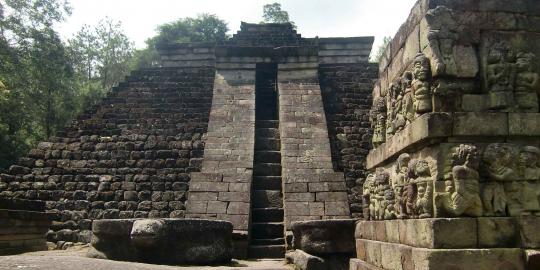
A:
(323, 18)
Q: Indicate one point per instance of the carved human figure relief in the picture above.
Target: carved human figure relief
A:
(529, 163)
(390, 111)
(529, 196)
(398, 118)
(421, 84)
(368, 204)
(501, 74)
(462, 194)
(384, 196)
(527, 83)
(398, 183)
(420, 175)
(442, 36)
(407, 107)
(498, 160)
(378, 120)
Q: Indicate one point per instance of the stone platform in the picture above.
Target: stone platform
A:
(23, 225)
(163, 241)
(454, 243)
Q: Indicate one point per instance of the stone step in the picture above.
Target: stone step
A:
(267, 157)
(267, 230)
(266, 251)
(267, 169)
(267, 198)
(264, 242)
(267, 183)
(270, 214)
(267, 144)
(267, 124)
(272, 133)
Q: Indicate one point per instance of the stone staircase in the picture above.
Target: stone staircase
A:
(267, 231)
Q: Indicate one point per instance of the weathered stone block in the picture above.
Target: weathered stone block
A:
(165, 241)
(480, 124)
(438, 233)
(496, 232)
(528, 227)
(305, 261)
(524, 124)
(324, 236)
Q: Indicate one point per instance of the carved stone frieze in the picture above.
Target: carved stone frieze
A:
(511, 78)
(442, 36)
(461, 195)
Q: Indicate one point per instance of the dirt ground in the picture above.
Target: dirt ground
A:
(75, 258)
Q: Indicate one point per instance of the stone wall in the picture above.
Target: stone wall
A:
(346, 91)
(129, 157)
(222, 190)
(455, 121)
(312, 189)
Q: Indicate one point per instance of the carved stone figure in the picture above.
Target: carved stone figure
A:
(514, 199)
(424, 202)
(407, 107)
(368, 189)
(498, 160)
(527, 83)
(442, 36)
(398, 118)
(462, 194)
(409, 196)
(529, 198)
(389, 210)
(501, 74)
(390, 111)
(421, 84)
(378, 120)
(420, 174)
(529, 163)
(399, 182)
(494, 199)
(383, 194)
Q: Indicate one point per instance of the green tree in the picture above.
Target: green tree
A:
(272, 13)
(34, 67)
(378, 54)
(203, 28)
(101, 57)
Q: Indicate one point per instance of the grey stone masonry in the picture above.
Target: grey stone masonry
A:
(222, 190)
(312, 189)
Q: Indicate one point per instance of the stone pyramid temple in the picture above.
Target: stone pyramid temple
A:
(277, 146)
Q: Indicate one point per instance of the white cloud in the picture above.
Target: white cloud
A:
(323, 18)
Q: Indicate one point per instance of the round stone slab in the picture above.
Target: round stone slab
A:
(163, 241)
(321, 237)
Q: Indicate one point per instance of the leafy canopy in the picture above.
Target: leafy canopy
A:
(203, 28)
(272, 13)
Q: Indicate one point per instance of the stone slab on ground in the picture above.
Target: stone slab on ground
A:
(167, 241)
(73, 258)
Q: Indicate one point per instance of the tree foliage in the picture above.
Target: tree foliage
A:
(101, 56)
(272, 13)
(377, 55)
(203, 28)
(35, 73)
(43, 80)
